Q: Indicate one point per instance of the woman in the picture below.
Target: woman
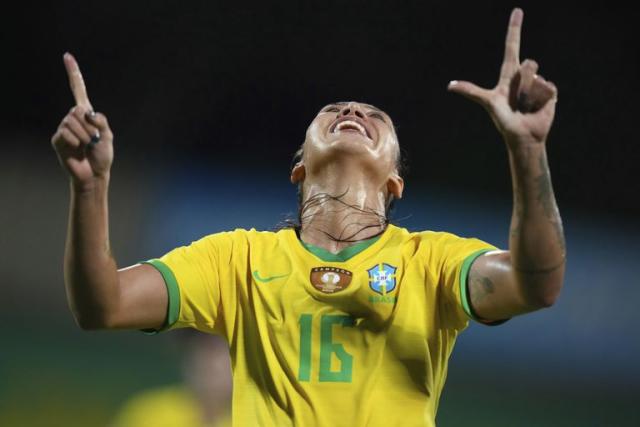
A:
(346, 319)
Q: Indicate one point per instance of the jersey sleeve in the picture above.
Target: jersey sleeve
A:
(201, 279)
(453, 259)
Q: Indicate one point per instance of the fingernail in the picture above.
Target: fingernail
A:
(453, 82)
(95, 138)
(517, 16)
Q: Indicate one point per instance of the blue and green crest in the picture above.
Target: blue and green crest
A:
(382, 278)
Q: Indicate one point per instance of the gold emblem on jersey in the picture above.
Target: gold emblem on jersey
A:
(330, 279)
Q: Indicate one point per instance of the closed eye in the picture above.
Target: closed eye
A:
(377, 116)
(331, 109)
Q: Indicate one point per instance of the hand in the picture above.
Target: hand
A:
(522, 105)
(83, 141)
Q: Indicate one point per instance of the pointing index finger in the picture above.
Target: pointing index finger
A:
(76, 82)
(512, 44)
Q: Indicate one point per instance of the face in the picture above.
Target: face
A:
(354, 129)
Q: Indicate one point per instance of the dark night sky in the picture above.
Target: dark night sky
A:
(238, 83)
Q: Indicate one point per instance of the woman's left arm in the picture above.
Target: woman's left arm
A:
(529, 276)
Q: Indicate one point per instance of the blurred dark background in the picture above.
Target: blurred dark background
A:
(209, 100)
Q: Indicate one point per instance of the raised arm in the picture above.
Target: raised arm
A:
(99, 295)
(529, 276)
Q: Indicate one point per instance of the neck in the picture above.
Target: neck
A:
(340, 209)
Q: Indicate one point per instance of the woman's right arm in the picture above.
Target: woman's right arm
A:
(99, 295)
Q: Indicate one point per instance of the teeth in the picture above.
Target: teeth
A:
(351, 123)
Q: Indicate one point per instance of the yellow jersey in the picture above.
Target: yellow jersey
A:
(358, 338)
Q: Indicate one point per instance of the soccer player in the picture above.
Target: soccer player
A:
(344, 319)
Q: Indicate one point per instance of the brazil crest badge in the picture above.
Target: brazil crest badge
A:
(382, 278)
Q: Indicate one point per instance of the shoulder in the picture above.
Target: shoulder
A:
(244, 237)
(424, 237)
(438, 244)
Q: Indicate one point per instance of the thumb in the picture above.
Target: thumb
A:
(470, 91)
(549, 109)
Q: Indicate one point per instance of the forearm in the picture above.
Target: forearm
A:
(91, 276)
(536, 242)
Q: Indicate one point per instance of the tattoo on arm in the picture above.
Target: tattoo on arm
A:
(560, 235)
(519, 199)
(482, 287)
(543, 192)
(546, 198)
(519, 210)
(544, 189)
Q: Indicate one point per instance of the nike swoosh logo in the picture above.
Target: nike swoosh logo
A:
(266, 279)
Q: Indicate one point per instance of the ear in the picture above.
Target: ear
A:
(298, 173)
(395, 185)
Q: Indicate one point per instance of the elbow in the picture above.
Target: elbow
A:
(93, 310)
(89, 323)
(546, 300)
(93, 320)
(543, 294)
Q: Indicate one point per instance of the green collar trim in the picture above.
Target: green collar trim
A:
(343, 255)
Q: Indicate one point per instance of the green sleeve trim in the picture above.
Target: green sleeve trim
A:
(464, 288)
(173, 292)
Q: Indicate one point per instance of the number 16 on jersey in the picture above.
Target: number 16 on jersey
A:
(327, 349)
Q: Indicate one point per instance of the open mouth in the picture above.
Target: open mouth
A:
(348, 125)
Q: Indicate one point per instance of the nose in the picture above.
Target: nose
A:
(352, 108)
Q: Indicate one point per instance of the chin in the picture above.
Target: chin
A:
(348, 147)
(352, 154)
(350, 144)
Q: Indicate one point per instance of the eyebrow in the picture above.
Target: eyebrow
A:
(369, 106)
